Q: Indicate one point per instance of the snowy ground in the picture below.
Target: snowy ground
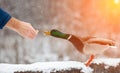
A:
(46, 67)
(108, 61)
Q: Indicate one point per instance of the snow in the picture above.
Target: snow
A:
(107, 61)
(46, 67)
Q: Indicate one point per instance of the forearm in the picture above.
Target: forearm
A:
(13, 24)
(4, 18)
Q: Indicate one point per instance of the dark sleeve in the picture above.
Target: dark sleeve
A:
(4, 18)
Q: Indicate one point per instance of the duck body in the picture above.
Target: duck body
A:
(95, 45)
(89, 45)
(94, 48)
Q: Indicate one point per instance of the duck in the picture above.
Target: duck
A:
(86, 45)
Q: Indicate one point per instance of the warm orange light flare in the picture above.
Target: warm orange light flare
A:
(110, 10)
(116, 1)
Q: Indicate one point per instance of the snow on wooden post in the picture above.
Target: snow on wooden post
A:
(106, 65)
(97, 66)
(46, 67)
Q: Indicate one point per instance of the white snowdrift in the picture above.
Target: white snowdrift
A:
(46, 67)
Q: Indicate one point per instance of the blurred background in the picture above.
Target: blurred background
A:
(82, 18)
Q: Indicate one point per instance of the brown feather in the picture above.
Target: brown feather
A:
(77, 43)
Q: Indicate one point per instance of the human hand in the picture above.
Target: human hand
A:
(23, 28)
(26, 30)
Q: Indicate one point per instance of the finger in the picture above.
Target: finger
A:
(33, 34)
(37, 31)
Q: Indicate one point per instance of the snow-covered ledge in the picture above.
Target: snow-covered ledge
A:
(106, 65)
(45, 67)
(97, 66)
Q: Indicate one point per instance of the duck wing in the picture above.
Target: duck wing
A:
(101, 41)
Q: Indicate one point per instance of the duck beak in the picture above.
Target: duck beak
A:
(47, 32)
